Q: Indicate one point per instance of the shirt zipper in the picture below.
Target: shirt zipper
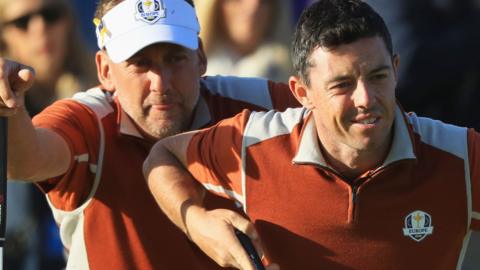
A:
(355, 185)
(353, 203)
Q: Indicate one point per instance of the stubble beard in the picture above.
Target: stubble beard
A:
(165, 128)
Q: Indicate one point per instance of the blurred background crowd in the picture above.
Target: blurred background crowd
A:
(439, 76)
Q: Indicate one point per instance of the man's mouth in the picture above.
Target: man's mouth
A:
(367, 120)
(162, 106)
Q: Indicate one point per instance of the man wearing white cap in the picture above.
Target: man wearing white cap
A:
(86, 153)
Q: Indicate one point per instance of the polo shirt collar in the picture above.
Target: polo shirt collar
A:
(309, 149)
(127, 127)
(201, 114)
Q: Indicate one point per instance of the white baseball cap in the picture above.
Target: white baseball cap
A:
(135, 24)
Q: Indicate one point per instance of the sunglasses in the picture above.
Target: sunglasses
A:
(50, 15)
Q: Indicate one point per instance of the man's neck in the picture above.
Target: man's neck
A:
(352, 163)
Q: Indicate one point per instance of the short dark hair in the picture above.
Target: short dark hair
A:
(331, 23)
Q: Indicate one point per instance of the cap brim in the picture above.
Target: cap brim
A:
(128, 44)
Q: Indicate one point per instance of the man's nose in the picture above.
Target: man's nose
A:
(160, 80)
(363, 95)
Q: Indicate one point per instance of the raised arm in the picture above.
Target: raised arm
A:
(180, 196)
(33, 154)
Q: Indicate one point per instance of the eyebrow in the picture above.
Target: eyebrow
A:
(339, 78)
(380, 68)
(346, 77)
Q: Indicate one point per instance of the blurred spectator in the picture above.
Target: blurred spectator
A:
(438, 42)
(42, 34)
(246, 37)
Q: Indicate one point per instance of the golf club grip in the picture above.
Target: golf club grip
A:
(250, 249)
(3, 184)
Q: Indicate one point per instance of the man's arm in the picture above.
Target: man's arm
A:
(34, 154)
(180, 197)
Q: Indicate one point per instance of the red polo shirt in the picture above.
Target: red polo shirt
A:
(415, 211)
(107, 216)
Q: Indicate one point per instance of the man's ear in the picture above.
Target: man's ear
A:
(396, 64)
(300, 91)
(103, 70)
(202, 58)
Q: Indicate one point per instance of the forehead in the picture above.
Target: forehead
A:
(361, 55)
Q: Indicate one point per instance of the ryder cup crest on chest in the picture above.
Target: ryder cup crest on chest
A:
(150, 11)
(418, 225)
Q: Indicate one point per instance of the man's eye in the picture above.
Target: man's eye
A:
(342, 85)
(379, 76)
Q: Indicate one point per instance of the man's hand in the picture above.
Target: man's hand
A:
(35, 154)
(213, 232)
(15, 79)
(180, 197)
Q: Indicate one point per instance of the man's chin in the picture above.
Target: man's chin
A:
(161, 133)
(163, 129)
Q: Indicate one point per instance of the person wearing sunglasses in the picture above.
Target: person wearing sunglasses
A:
(42, 34)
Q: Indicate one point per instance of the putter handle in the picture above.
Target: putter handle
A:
(3, 184)
(250, 249)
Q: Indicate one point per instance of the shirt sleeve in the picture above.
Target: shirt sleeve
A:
(214, 157)
(474, 157)
(78, 126)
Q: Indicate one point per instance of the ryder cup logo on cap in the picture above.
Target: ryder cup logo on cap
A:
(150, 11)
(135, 24)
